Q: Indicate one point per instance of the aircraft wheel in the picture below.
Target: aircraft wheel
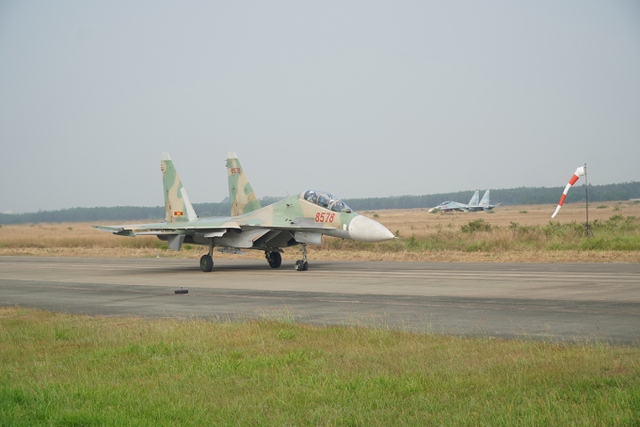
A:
(302, 265)
(274, 259)
(206, 263)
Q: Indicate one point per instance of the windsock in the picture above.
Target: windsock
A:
(581, 171)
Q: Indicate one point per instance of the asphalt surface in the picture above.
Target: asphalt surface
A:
(556, 302)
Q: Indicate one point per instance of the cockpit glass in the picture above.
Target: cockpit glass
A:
(326, 200)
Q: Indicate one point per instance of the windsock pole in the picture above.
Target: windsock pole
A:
(587, 228)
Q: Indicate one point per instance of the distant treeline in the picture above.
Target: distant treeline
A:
(513, 196)
(118, 213)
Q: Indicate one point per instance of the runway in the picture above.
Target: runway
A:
(556, 302)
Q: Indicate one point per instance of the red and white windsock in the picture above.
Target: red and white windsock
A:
(581, 171)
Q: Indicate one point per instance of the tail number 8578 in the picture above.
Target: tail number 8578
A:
(325, 217)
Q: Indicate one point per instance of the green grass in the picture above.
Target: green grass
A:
(63, 370)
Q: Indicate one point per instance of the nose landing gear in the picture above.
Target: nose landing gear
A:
(302, 264)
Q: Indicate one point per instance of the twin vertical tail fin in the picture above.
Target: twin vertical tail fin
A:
(177, 206)
(243, 199)
(485, 202)
(474, 199)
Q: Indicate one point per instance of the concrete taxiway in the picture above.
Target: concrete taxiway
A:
(559, 302)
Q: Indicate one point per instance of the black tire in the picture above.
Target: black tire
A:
(181, 291)
(274, 259)
(301, 265)
(206, 263)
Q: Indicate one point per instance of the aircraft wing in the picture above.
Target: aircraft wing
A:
(166, 229)
(155, 230)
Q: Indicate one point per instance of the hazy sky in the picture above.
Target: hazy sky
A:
(360, 98)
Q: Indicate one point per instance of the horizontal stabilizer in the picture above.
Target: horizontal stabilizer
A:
(116, 229)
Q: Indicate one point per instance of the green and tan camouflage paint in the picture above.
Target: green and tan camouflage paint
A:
(243, 199)
(176, 210)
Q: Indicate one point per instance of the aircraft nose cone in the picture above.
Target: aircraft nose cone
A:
(367, 230)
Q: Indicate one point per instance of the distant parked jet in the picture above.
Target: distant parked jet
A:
(485, 203)
(472, 206)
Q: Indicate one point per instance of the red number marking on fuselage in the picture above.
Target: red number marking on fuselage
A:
(325, 217)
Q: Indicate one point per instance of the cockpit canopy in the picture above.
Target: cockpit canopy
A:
(325, 200)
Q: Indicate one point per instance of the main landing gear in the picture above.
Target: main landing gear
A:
(302, 264)
(206, 261)
(273, 258)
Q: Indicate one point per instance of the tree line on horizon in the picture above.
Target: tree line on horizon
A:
(512, 196)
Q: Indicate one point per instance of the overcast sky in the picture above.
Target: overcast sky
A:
(359, 98)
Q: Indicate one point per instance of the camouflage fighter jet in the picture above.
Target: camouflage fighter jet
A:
(296, 220)
(472, 206)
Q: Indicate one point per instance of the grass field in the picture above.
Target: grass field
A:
(63, 370)
(507, 234)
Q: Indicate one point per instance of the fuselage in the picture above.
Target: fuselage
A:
(281, 224)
